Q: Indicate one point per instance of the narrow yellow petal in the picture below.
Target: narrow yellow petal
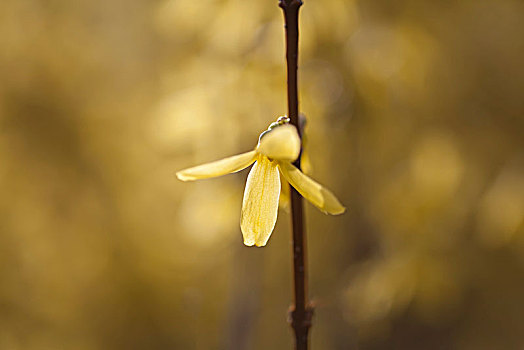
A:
(281, 143)
(218, 168)
(314, 192)
(305, 162)
(260, 204)
(285, 199)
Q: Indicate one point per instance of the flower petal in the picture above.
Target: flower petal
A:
(314, 192)
(285, 200)
(305, 162)
(260, 204)
(218, 168)
(281, 143)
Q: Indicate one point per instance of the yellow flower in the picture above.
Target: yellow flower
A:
(277, 148)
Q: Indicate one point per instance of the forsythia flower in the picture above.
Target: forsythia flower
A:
(277, 148)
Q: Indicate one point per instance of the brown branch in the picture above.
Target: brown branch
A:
(301, 313)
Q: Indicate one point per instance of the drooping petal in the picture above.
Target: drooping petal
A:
(305, 162)
(260, 203)
(218, 168)
(285, 199)
(281, 143)
(314, 192)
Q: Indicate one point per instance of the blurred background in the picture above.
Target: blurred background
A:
(415, 120)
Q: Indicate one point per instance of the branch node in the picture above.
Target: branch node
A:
(289, 4)
(301, 320)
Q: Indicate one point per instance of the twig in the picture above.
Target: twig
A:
(301, 313)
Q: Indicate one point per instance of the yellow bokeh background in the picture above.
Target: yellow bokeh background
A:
(415, 115)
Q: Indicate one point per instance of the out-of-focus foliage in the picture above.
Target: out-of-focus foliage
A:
(415, 119)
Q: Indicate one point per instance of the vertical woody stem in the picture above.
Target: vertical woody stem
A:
(301, 312)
